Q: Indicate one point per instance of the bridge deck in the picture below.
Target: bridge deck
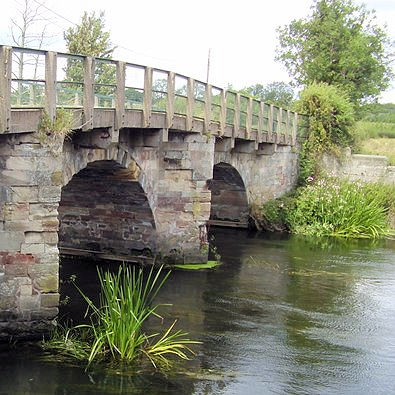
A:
(104, 93)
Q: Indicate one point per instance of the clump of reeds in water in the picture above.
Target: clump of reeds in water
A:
(115, 331)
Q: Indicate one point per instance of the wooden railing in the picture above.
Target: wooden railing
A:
(37, 79)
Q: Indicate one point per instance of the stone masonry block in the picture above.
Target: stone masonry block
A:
(27, 248)
(11, 241)
(49, 300)
(24, 194)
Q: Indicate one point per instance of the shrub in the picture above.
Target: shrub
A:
(340, 208)
(328, 125)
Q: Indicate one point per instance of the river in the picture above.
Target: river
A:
(281, 315)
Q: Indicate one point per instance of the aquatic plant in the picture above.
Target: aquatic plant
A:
(115, 330)
(332, 207)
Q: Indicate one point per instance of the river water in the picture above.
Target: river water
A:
(281, 315)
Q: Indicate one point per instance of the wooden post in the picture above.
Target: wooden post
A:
(249, 118)
(89, 93)
(260, 121)
(287, 119)
(5, 88)
(270, 121)
(190, 103)
(171, 98)
(50, 84)
(222, 122)
(295, 128)
(147, 108)
(279, 124)
(120, 96)
(207, 108)
(236, 124)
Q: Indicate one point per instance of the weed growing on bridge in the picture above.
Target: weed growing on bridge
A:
(52, 133)
(115, 331)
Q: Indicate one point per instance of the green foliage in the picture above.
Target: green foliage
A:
(277, 93)
(340, 208)
(116, 325)
(367, 130)
(328, 125)
(340, 44)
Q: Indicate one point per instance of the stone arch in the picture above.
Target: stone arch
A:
(116, 215)
(229, 200)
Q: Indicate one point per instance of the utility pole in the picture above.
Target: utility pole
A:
(208, 64)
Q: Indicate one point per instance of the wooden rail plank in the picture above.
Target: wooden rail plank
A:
(270, 121)
(5, 88)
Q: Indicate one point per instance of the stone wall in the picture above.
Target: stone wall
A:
(103, 208)
(265, 176)
(356, 167)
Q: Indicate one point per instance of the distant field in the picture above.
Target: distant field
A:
(379, 146)
(367, 129)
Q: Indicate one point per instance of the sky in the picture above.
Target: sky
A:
(176, 35)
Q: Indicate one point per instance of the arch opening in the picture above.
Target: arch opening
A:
(229, 203)
(104, 210)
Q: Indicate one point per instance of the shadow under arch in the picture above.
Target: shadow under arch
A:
(229, 201)
(104, 209)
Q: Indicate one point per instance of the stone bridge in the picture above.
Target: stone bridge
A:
(154, 158)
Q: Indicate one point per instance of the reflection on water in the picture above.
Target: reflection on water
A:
(280, 315)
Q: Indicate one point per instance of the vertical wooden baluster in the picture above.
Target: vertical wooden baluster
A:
(260, 121)
(287, 121)
(120, 96)
(190, 103)
(5, 88)
(237, 116)
(249, 118)
(279, 124)
(270, 121)
(147, 108)
(89, 93)
(223, 113)
(171, 82)
(207, 108)
(295, 128)
(50, 84)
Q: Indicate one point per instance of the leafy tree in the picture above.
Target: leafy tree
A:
(340, 44)
(277, 92)
(91, 39)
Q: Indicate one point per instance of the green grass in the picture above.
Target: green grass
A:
(379, 146)
(116, 330)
